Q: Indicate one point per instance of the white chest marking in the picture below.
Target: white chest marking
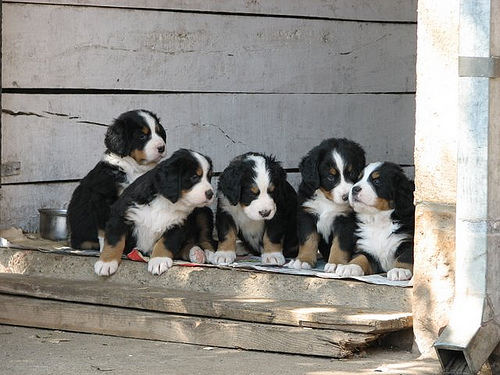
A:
(153, 219)
(326, 210)
(377, 237)
(129, 166)
(252, 230)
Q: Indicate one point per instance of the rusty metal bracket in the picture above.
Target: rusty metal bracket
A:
(479, 66)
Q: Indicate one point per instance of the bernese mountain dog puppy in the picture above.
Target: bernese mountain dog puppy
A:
(326, 221)
(152, 213)
(383, 202)
(257, 205)
(135, 143)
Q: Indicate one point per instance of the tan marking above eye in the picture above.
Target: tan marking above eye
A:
(255, 190)
(349, 168)
(333, 171)
(271, 188)
(199, 171)
(375, 175)
(146, 130)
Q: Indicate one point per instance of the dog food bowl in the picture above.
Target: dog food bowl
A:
(53, 224)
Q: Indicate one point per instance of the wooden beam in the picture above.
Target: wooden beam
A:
(123, 49)
(383, 10)
(221, 126)
(123, 322)
(292, 313)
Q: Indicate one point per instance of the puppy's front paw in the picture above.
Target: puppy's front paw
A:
(223, 257)
(105, 268)
(209, 256)
(275, 258)
(197, 255)
(330, 267)
(348, 270)
(399, 274)
(298, 264)
(159, 265)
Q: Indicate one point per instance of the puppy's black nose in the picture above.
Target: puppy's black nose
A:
(264, 213)
(356, 189)
(209, 194)
(345, 197)
(161, 149)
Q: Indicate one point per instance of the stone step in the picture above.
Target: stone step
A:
(224, 282)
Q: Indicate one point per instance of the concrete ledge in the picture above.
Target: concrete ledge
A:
(237, 283)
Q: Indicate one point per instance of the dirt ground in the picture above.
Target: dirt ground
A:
(41, 352)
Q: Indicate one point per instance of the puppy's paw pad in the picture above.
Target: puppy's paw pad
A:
(348, 270)
(105, 268)
(399, 274)
(298, 264)
(223, 257)
(197, 255)
(330, 267)
(273, 258)
(156, 266)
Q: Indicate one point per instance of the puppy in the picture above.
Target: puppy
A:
(135, 143)
(325, 219)
(257, 205)
(151, 213)
(383, 202)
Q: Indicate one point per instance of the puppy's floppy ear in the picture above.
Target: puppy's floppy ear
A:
(168, 179)
(309, 168)
(278, 174)
(230, 181)
(403, 197)
(116, 138)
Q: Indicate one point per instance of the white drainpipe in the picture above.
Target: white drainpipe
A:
(474, 331)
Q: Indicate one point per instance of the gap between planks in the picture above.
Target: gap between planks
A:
(259, 310)
(123, 322)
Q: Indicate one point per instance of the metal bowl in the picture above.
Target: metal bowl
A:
(53, 224)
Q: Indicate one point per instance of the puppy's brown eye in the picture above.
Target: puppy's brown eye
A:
(330, 177)
(195, 178)
(377, 182)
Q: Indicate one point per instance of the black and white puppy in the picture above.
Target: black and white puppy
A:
(151, 213)
(326, 222)
(257, 205)
(383, 202)
(135, 143)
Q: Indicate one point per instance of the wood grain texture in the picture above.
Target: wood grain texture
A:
(293, 313)
(382, 10)
(65, 133)
(113, 48)
(114, 321)
(20, 203)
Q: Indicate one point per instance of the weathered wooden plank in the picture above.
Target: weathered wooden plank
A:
(293, 313)
(185, 329)
(64, 133)
(381, 10)
(20, 203)
(112, 48)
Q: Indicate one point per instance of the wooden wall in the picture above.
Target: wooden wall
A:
(225, 77)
